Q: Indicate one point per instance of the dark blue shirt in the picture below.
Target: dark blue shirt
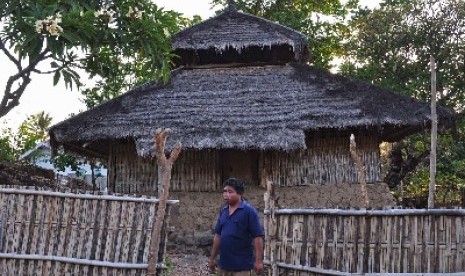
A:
(237, 232)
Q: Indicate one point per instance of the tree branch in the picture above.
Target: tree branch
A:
(11, 97)
(9, 55)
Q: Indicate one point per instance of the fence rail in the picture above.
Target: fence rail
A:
(44, 232)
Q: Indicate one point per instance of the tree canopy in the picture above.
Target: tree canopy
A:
(32, 130)
(391, 46)
(120, 42)
(323, 21)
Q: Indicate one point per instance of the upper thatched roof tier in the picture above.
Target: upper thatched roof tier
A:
(253, 107)
(240, 32)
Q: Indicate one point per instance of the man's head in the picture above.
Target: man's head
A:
(236, 184)
(233, 189)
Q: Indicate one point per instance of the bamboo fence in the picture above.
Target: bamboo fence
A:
(45, 232)
(365, 242)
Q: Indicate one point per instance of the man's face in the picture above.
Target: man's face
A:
(230, 195)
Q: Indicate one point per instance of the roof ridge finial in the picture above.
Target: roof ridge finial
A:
(231, 5)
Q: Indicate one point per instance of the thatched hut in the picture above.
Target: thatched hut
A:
(243, 101)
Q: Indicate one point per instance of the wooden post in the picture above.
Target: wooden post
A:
(434, 133)
(266, 223)
(92, 174)
(165, 166)
(361, 171)
(270, 226)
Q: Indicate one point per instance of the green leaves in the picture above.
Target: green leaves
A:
(32, 130)
(391, 47)
(63, 160)
(323, 21)
(100, 39)
(7, 150)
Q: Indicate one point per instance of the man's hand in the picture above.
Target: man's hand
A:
(215, 249)
(212, 265)
(258, 246)
(258, 267)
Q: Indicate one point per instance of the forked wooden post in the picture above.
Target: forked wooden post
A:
(165, 166)
(361, 171)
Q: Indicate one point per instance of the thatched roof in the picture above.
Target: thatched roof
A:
(239, 31)
(245, 107)
(25, 175)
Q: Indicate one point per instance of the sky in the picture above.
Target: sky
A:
(58, 101)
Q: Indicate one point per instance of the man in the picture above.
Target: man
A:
(238, 235)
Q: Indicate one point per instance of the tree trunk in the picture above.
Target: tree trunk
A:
(399, 167)
(393, 176)
(164, 176)
(463, 196)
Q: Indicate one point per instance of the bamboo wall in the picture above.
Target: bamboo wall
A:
(193, 171)
(130, 173)
(45, 232)
(336, 241)
(327, 160)
(197, 171)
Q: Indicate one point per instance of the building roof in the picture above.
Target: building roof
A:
(41, 146)
(238, 30)
(245, 107)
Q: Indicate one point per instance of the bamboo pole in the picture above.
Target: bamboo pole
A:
(369, 213)
(361, 171)
(84, 196)
(165, 166)
(434, 133)
(76, 261)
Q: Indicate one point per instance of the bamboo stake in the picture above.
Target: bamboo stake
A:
(434, 134)
(361, 171)
(165, 166)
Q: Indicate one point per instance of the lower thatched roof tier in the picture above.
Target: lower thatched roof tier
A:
(250, 107)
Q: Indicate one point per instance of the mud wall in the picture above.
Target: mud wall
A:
(193, 220)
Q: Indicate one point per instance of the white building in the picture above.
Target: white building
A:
(41, 156)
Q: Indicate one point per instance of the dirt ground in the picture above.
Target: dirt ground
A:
(183, 264)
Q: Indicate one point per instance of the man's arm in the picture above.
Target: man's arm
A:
(258, 246)
(214, 253)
